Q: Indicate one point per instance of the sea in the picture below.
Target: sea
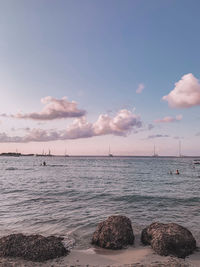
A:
(71, 195)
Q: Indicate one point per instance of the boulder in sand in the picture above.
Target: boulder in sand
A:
(169, 239)
(114, 233)
(32, 247)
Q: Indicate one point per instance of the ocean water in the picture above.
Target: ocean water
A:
(71, 195)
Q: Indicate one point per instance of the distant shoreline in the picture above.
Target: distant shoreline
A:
(12, 154)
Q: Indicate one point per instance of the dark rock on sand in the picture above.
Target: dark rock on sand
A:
(114, 233)
(32, 247)
(169, 239)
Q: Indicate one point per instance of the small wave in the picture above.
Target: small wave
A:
(57, 165)
(70, 192)
(12, 191)
(158, 199)
(11, 169)
(69, 242)
(54, 165)
(38, 199)
(17, 169)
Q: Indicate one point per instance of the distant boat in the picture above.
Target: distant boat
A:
(49, 155)
(44, 154)
(154, 152)
(109, 153)
(180, 154)
(66, 155)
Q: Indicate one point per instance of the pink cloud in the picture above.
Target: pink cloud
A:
(4, 138)
(168, 119)
(185, 94)
(140, 88)
(53, 109)
(80, 128)
(122, 124)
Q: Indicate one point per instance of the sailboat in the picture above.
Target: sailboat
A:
(66, 155)
(109, 153)
(154, 152)
(180, 154)
(49, 154)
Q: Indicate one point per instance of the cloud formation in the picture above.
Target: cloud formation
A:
(185, 94)
(140, 88)
(121, 125)
(54, 109)
(178, 137)
(157, 136)
(168, 119)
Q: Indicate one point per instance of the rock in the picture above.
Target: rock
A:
(169, 239)
(114, 233)
(32, 247)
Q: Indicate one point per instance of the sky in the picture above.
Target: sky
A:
(82, 75)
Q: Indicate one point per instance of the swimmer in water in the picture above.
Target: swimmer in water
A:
(177, 172)
(44, 163)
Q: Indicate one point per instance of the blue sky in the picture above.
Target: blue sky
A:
(97, 53)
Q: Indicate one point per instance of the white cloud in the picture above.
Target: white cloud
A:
(168, 119)
(122, 124)
(185, 94)
(140, 88)
(53, 109)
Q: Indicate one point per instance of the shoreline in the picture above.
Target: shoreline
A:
(137, 255)
(133, 256)
(13, 154)
(141, 255)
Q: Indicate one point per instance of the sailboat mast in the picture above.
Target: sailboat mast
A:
(179, 148)
(66, 155)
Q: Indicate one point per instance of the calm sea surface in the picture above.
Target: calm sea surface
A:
(71, 195)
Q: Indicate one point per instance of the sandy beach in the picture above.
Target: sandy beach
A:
(141, 256)
(137, 255)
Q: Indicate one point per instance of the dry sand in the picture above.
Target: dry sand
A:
(139, 257)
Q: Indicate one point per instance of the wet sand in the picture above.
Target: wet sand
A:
(140, 257)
